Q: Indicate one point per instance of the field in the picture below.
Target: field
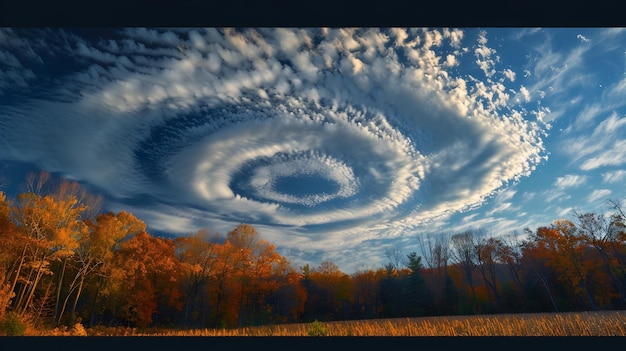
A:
(606, 323)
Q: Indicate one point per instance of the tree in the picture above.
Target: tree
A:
(49, 220)
(566, 255)
(367, 293)
(510, 253)
(52, 225)
(9, 255)
(199, 256)
(97, 243)
(284, 294)
(416, 295)
(146, 275)
(603, 234)
(260, 272)
(436, 253)
(465, 257)
(330, 292)
(535, 256)
(395, 259)
(487, 255)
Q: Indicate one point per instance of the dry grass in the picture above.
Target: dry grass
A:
(608, 323)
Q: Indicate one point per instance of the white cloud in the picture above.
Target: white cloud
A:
(598, 194)
(570, 181)
(614, 177)
(509, 74)
(484, 56)
(564, 212)
(582, 38)
(450, 61)
(603, 147)
(555, 194)
(615, 156)
(525, 93)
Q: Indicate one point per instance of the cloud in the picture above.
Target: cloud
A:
(502, 203)
(324, 138)
(15, 53)
(611, 157)
(557, 72)
(484, 56)
(564, 212)
(555, 194)
(603, 147)
(598, 194)
(582, 38)
(509, 74)
(613, 177)
(570, 181)
(525, 93)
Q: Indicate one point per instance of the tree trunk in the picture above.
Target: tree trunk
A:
(34, 285)
(545, 284)
(58, 293)
(78, 293)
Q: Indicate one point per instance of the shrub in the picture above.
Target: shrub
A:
(12, 325)
(78, 330)
(317, 329)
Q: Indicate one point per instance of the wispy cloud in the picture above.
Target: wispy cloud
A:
(598, 194)
(614, 177)
(603, 147)
(569, 181)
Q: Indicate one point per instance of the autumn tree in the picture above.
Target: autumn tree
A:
(198, 254)
(329, 292)
(536, 253)
(220, 296)
(566, 255)
(145, 280)
(92, 258)
(603, 234)
(367, 293)
(259, 271)
(488, 260)
(436, 252)
(287, 297)
(464, 256)
(510, 254)
(51, 219)
(9, 254)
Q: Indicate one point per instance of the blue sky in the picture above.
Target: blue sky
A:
(337, 144)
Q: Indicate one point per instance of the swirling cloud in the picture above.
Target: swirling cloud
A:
(324, 138)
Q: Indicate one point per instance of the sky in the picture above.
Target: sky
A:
(337, 144)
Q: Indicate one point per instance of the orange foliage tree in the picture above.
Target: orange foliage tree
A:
(566, 254)
(198, 255)
(367, 292)
(258, 274)
(146, 276)
(93, 257)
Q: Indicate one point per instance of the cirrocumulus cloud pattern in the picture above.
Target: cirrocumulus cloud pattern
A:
(321, 138)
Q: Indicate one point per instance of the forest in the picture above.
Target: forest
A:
(63, 260)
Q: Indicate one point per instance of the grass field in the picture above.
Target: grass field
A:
(606, 323)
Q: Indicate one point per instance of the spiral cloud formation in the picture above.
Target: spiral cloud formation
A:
(324, 139)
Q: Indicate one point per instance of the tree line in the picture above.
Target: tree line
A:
(64, 261)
